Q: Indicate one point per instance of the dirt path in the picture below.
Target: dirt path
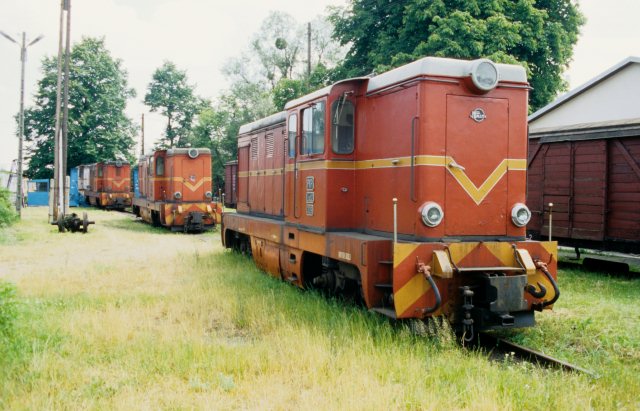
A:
(118, 251)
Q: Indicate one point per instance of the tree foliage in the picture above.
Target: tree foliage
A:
(538, 33)
(170, 94)
(8, 214)
(217, 125)
(98, 127)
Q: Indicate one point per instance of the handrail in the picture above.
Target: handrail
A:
(413, 158)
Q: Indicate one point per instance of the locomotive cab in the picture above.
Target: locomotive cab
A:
(321, 151)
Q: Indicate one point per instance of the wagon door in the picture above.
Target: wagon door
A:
(476, 162)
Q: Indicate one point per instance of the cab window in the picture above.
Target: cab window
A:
(160, 166)
(99, 171)
(313, 129)
(342, 112)
(291, 135)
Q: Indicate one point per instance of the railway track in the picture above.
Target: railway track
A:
(499, 348)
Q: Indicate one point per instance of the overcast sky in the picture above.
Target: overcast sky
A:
(201, 35)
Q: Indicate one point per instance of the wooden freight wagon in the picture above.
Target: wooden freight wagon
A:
(591, 175)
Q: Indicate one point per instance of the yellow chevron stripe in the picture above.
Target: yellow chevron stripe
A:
(479, 193)
(410, 293)
(401, 251)
(551, 247)
(192, 187)
(503, 252)
(120, 183)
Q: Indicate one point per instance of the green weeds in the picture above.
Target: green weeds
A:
(174, 321)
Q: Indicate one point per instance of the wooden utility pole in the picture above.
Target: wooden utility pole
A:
(309, 50)
(61, 130)
(65, 112)
(56, 150)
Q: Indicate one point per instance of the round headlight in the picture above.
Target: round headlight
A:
(193, 152)
(208, 194)
(177, 195)
(520, 215)
(432, 214)
(484, 74)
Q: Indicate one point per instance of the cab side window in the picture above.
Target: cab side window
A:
(313, 129)
(291, 134)
(160, 166)
(342, 130)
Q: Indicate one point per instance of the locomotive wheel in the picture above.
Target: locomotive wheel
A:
(85, 222)
(245, 248)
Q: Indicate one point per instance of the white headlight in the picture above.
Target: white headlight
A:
(177, 195)
(520, 215)
(193, 152)
(208, 194)
(432, 214)
(484, 74)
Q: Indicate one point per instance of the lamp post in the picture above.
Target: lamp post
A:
(23, 59)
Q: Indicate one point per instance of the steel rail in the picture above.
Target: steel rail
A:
(492, 343)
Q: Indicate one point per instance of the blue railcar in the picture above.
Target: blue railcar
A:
(38, 193)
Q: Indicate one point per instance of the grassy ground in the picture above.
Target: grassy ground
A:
(132, 317)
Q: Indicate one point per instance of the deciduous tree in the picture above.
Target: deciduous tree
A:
(170, 94)
(98, 127)
(540, 34)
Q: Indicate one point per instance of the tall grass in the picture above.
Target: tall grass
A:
(135, 318)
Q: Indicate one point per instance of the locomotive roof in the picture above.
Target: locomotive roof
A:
(438, 66)
(428, 66)
(263, 122)
(174, 151)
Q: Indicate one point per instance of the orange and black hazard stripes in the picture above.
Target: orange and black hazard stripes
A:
(411, 290)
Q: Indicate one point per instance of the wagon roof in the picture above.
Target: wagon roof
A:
(589, 131)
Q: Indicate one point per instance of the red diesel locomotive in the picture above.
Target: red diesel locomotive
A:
(106, 184)
(174, 190)
(407, 188)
